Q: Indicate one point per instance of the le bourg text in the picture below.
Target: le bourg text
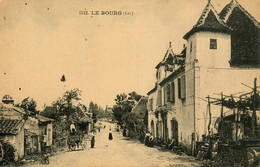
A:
(106, 13)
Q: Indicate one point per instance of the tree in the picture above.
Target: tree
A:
(29, 104)
(66, 105)
(134, 125)
(134, 96)
(93, 108)
(124, 104)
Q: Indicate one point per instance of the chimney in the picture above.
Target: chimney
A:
(7, 100)
(170, 44)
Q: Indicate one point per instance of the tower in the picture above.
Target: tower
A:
(208, 42)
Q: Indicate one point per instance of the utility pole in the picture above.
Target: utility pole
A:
(254, 109)
(221, 116)
(209, 115)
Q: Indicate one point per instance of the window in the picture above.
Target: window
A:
(159, 98)
(179, 88)
(168, 92)
(172, 92)
(164, 95)
(191, 47)
(183, 87)
(213, 44)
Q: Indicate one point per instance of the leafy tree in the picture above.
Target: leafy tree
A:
(29, 104)
(93, 108)
(134, 96)
(133, 124)
(66, 105)
(124, 104)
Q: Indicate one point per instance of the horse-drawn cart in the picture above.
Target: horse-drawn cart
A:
(76, 141)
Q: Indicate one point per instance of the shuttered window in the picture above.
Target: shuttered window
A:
(172, 92)
(169, 92)
(183, 87)
(179, 88)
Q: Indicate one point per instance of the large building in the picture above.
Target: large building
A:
(222, 51)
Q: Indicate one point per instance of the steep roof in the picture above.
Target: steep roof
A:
(208, 21)
(229, 8)
(169, 54)
(8, 126)
(141, 107)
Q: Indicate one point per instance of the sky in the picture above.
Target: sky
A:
(102, 55)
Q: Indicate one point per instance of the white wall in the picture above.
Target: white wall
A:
(219, 57)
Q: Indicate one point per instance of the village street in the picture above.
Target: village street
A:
(119, 152)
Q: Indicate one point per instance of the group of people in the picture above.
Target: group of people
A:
(110, 137)
(149, 139)
(92, 144)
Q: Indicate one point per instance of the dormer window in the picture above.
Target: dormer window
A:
(213, 44)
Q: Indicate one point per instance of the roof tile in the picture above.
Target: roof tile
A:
(8, 126)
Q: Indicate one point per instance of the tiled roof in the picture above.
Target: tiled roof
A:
(208, 21)
(8, 126)
(229, 8)
(43, 119)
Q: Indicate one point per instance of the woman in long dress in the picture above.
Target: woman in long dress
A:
(110, 136)
(92, 141)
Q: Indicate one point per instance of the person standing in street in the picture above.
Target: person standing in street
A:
(110, 136)
(93, 142)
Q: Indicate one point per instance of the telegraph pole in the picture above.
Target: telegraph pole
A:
(221, 116)
(209, 115)
(254, 109)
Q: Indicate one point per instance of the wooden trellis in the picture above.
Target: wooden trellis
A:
(245, 102)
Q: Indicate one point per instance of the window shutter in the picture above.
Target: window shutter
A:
(179, 88)
(173, 92)
(183, 87)
(169, 92)
(159, 98)
(164, 93)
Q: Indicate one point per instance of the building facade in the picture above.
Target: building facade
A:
(27, 132)
(216, 59)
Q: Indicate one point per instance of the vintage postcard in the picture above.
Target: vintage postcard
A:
(104, 83)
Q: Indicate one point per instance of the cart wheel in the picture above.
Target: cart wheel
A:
(1, 152)
(251, 157)
(73, 148)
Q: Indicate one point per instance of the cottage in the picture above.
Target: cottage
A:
(27, 132)
(222, 52)
(12, 132)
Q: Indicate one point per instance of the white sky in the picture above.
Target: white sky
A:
(102, 55)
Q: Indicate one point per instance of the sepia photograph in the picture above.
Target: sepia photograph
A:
(129, 83)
